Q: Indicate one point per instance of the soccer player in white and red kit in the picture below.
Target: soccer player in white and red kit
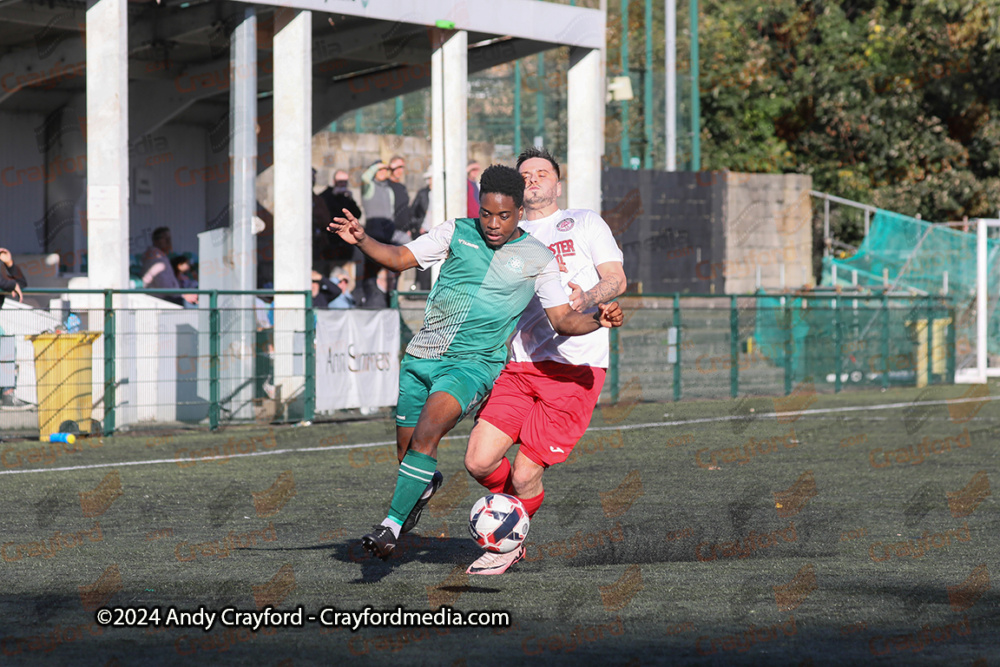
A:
(546, 394)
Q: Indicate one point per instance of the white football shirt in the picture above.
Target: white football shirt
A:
(580, 240)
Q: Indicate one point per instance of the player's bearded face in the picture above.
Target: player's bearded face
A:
(541, 185)
(498, 218)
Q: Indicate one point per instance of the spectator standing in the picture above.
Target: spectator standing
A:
(337, 198)
(265, 249)
(378, 200)
(157, 273)
(472, 172)
(401, 201)
(320, 219)
(12, 279)
(421, 206)
(422, 221)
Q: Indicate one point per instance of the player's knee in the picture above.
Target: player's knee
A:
(479, 466)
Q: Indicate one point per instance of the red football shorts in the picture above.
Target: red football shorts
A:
(546, 406)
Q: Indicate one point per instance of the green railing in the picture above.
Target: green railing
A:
(111, 331)
(675, 346)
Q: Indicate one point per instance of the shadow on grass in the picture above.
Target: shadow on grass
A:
(410, 548)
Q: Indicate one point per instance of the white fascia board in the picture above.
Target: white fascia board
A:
(529, 19)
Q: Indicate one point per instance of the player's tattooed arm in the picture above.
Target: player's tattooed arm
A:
(611, 285)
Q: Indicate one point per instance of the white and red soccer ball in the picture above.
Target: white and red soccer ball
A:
(498, 523)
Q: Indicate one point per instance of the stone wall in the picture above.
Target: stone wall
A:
(355, 152)
(767, 225)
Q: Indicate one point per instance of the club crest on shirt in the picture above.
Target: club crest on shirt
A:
(565, 224)
(515, 264)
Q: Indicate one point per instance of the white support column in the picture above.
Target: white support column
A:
(437, 136)
(108, 190)
(107, 144)
(585, 110)
(292, 187)
(455, 91)
(243, 147)
(239, 323)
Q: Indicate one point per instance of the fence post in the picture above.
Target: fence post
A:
(109, 363)
(789, 344)
(309, 409)
(838, 340)
(930, 340)
(734, 348)
(677, 360)
(950, 346)
(885, 340)
(613, 365)
(213, 360)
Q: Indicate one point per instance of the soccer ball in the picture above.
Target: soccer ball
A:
(498, 523)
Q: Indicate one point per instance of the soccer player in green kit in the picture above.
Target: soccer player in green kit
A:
(491, 271)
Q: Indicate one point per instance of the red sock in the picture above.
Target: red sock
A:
(498, 480)
(532, 504)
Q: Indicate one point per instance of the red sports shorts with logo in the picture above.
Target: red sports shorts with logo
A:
(546, 406)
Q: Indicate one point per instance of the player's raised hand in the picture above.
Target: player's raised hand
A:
(610, 315)
(347, 228)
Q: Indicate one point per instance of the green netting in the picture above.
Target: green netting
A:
(916, 255)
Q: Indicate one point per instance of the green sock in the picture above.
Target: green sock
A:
(415, 473)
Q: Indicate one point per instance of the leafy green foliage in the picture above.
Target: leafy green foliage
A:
(892, 103)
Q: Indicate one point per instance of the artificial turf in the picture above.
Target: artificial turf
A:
(677, 533)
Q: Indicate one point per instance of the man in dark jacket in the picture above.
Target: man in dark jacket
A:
(323, 290)
(401, 201)
(337, 198)
(11, 277)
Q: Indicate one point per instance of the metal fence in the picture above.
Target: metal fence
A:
(100, 361)
(137, 362)
(704, 346)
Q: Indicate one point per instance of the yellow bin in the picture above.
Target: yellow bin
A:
(64, 380)
(939, 355)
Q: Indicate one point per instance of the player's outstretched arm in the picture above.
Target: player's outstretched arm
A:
(568, 322)
(393, 257)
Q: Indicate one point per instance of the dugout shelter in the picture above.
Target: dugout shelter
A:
(120, 116)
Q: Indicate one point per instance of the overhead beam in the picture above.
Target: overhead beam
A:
(58, 55)
(389, 38)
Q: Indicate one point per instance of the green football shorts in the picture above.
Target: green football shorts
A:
(467, 380)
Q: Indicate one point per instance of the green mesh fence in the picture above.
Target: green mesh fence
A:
(871, 340)
(915, 256)
(720, 346)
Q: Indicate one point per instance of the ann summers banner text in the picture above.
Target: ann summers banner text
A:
(357, 359)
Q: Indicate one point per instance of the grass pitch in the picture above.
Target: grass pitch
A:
(719, 532)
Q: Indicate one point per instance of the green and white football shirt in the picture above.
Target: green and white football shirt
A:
(480, 292)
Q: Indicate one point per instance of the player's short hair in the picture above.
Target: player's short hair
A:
(533, 152)
(500, 179)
